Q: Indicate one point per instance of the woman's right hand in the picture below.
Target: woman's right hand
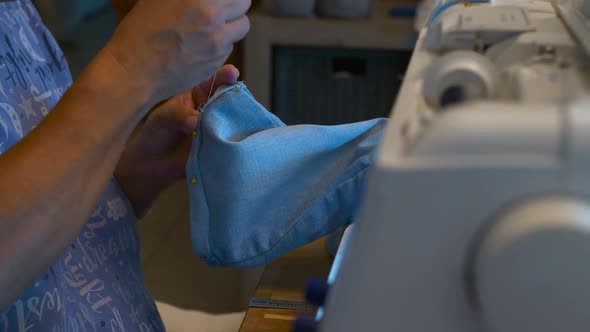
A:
(170, 46)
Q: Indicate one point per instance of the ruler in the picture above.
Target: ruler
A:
(281, 304)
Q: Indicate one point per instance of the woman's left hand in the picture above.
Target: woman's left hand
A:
(156, 156)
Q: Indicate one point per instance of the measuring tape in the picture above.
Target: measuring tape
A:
(281, 304)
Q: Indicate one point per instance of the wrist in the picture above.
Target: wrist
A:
(106, 77)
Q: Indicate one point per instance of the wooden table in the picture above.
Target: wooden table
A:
(286, 279)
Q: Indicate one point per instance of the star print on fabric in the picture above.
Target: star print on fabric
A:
(75, 293)
(27, 106)
(117, 209)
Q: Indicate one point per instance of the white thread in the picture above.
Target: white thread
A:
(210, 92)
(212, 85)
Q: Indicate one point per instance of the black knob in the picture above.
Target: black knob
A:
(317, 291)
(453, 95)
(305, 324)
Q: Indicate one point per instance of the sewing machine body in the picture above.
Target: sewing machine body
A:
(477, 213)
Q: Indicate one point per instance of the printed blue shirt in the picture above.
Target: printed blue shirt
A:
(97, 285)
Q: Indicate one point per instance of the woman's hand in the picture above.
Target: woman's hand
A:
(169, 48)
(156, 157)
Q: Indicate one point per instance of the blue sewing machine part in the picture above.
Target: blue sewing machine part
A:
(317, 291)
(336, 265)
(305, 324)
(403, 11)
(450, 4)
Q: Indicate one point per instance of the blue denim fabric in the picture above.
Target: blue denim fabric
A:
(259, 188)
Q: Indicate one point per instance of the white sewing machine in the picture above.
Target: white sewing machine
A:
(477, 214)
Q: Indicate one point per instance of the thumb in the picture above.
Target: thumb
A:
(172, 118)
(190, 123)
(227, 74)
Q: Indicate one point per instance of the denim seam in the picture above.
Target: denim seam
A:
(217, 95)
(210, 104)
(319, 200)
(298, 220)
(211, 254)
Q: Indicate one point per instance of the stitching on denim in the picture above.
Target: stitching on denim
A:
(297, 221)
(218, 94)
(352, 178)
(210, 104)
(202, 180)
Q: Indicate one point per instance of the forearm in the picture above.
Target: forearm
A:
(141, 198)
(52, 179)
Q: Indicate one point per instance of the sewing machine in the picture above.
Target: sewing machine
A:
(477, 212)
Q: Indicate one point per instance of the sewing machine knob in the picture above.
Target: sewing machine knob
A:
(316, 292)
(531, 271)
(305, 324)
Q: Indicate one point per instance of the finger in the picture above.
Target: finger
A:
(190, 124)
(182, 157)
(237, 29)
(173, 119)
(226, 75)
(235, 9)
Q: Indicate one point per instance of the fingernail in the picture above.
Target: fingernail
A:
(191, 123)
